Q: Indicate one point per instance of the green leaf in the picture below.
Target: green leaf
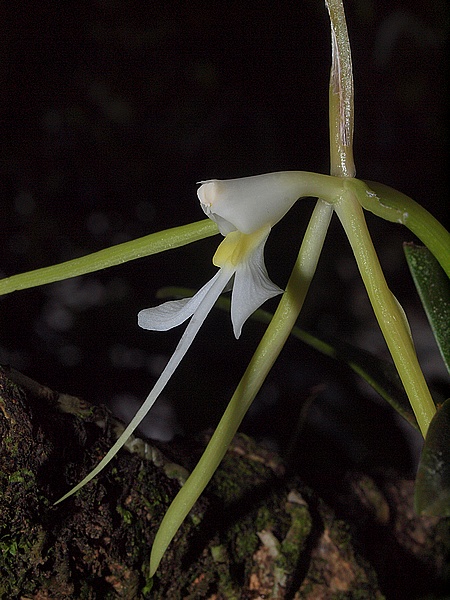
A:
(380, 374)
(432, 490)
(433, 287)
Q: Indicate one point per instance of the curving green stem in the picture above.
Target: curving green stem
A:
(109, 257)
(265, 355)
(388, 312)
(396, 207)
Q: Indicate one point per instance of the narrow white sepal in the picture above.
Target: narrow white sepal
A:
(213, 290)
(251, 288)
(173, 313)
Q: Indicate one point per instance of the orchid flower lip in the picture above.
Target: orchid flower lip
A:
(240, 258)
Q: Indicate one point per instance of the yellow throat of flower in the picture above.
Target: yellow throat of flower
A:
(237, 246)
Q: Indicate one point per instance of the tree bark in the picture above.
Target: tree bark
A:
(255, 533)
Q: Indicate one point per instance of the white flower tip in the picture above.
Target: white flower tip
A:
(242, 308)
(167, 315)
(208, 194)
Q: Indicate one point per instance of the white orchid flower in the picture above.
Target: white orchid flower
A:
(245, 210)
(240, 258)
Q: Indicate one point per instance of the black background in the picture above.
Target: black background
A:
(112, 110)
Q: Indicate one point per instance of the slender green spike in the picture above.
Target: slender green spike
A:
(110, 257)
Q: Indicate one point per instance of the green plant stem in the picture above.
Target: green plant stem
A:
(265, 355)
(396, 207)
(389, 314)
(340, 94)
(116, 255)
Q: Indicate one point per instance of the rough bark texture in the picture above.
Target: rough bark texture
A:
(254, 534)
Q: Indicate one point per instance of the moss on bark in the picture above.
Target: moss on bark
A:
(254, 534)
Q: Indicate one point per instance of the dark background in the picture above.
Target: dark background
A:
(112, 110)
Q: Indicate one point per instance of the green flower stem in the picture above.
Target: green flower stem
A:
(116, 255)
(389, 314)
(341, 112)
(265, 355)
(396, 207)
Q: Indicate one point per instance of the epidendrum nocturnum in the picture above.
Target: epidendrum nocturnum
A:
(244, 211)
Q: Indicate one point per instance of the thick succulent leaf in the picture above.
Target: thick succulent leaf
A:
(432, 490)
(433, 287)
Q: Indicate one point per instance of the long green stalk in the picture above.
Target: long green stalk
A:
(400, 208)
(341, 113)
(390, 316)
(109, 257)
(341, 138)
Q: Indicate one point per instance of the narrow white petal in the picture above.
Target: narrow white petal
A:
(209, 298)
(252, 287)
(173, 313)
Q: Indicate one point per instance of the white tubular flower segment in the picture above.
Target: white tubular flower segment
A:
(249, 203)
